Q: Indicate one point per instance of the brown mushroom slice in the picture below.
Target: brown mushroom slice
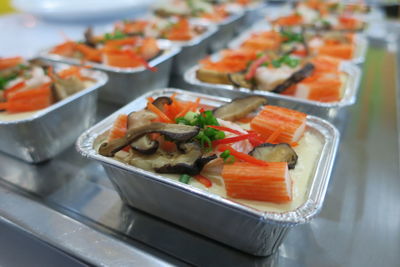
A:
(189, 162)
(66, 87)
(139, 118)
(90, 39)
(180, 162)
(175, 132)
(296, 77)
(239, 80)
(239, 107)
(145, 145)
(212, 76)
(276, 153)
(161, 101)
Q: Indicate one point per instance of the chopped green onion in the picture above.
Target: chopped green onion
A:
(182, 120)
(225, 154)
(276, 63)
(184, 178)
(228, 158)
(114, 36)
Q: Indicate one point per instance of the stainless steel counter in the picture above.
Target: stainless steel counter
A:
(69, 203)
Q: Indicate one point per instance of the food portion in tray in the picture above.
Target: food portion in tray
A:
(303, 43)
(202, 9)
(323, 15)
(171, 28)
(27, 86)
(318, 78)
(256, 154)
(114, 49)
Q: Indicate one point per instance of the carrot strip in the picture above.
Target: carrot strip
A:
(119, 128)
(185, 110)
(234, 139)
(247, 181)
(159, 113)
(203, 180)
(242, 156)
(196, 104)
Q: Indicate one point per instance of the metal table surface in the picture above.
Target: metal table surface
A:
(69, 203)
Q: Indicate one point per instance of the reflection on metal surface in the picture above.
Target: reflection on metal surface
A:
(359, 225)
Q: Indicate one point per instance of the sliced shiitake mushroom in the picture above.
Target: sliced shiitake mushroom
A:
(161, 101)
(212, 76)
(276, 153)
(296, 77)
(189, 162)
(145, 145)
(90, 39)
(139, 118)
(239, 80)
(65, 87)
(175, 132)
(239, 107)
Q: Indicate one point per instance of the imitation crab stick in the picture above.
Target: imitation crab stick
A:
(290, 20)
(290, 122)
(29, 100)
(324, 91)
(248, 181)
(342, 51)
(179, 31)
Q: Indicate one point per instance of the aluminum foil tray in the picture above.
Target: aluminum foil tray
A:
(322, 109)
(125, 84)
(227, 30)
(193, 50)
(360, 39)
(252, 13)
(239, 226)
(51, 130)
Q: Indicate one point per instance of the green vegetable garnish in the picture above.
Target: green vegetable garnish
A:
(292, 37)
(115, 36)
(228, 158)
(5, 79)
(184, 178)
(276, 63)
(206, 134)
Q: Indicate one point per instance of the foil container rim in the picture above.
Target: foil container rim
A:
(100, 77)
(302, 214)
(349, 96)
(235, 15)
(211, 30)
(169, 50)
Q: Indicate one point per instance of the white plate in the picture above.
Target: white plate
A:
(79, 10)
